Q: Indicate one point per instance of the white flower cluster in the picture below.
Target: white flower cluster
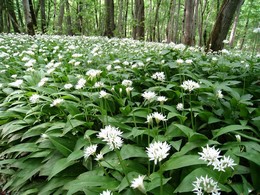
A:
(111, 135)
(219, 94)
(158, 151)
(157, 116)
(90, 150)
(43, 81)
(80, 84)
(68, 86)
(160, 76)
(103, 94)
(106, 192)
(256, 30)
(205, 184)
(127, 83)
(149, 95)
(17, 83)
(57, 102)
(190, 85)
(180, 106)
(138, 183)
(213, 157)
(92, 73)
(34, 98)
(161, 99)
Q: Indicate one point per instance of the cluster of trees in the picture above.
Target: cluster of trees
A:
(192, 22)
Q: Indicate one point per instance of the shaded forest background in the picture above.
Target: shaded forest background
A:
(192, 22)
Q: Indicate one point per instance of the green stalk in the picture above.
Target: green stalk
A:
(122, 165)
(191, 114)
(161, 180)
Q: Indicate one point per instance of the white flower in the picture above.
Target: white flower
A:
(180, 61)
(14, 76)
(161, 99)
(77, 63)
(224, 163)
(225, 41)
(109, 67)
(256, 30)
(188, 61)
(43, 81)
(205, 184)
(160, 76)
(81, 83)
(1, 85)
(92, 73)
(57, 102)
(99, 156)
(127, 83)
(76, 55)
(103, 94)
(111, 135)
(219, 94)
(159, 117)
(17, 83)
(90, 150)
(138, 183)
(190, 85)
(99, 84)
(149, 95)
(238, 138)
(180, 106)
(214, 59)
(158, 151)
(68, 86)
(107, 192)
(149, 118)
(210, 155)
(34, 98)
(128, 90)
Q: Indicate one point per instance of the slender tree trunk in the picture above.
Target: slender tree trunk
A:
(43, 16)
(1, 18)
(176, 32)
(60, 18)
(139, 20)
(234, 27)
(169, 30)
(96, 15)
(126, 15)
(54, 14)
(195, 20)
(80, 17)
(156, 18)
(110, 24)
(222, 24)
(34, 20)
(68, 18)
(20, 17)
(12, 15)
(189, 22)
(28, 18)
(120, 18)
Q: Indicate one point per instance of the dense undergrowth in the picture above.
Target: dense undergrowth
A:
(89, 115)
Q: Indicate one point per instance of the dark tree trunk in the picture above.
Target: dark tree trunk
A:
(126, 15)
(68, 18)
(60, 18)
(189, 23)
(1, 19)
(20, 17)
(110, 24)
(43, 16)
(222, 24)
(138, 30)
(32, 13)
(28, 18)
(80, 17)
(11, 9)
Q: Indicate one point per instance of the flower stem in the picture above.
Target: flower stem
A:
(191, 114)
(122, 165)
(161, 180)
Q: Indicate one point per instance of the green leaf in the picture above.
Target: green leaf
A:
(182, 161)
(25, 147)
(72, 124)
(251, 155)
(186, 130)
(227, 129)
(59, 166)
(129, 151)
(61, 144)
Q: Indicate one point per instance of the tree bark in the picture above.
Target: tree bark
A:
(176, 28)
(169, 30)
(189, 22)
(34, 20)
(126, 15)
(156, 20)
(28, 18)
(120, 18)
(12, 15)
(110, 24)
(20, 17)
(234, 27)
(222, 24)
(1, 19)
(68, 18)
(43, 16)
(60, 18)
(139, 20)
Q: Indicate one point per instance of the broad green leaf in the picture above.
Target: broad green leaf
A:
(130, 151)
(36, 130)
(24, 147)
(228, 129)
(59, 166)
(182, 161)
(186, 130)
(61, 144)
(72, 124)
(251, 155)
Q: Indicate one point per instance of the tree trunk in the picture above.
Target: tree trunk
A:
(12, 16)
(126, 15)
(110, 24)
(28, 18)
(43, 16)
(54, 14)
(68, 18)
(34, 20)
(139, 20)
(120, 18)
(156, 20)
(222, 24)
(234, 27)
(169, 30)
(60, 18)
(188, 22)
(20, 17)
(1, 18)
(80, 17)
(176, 32)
